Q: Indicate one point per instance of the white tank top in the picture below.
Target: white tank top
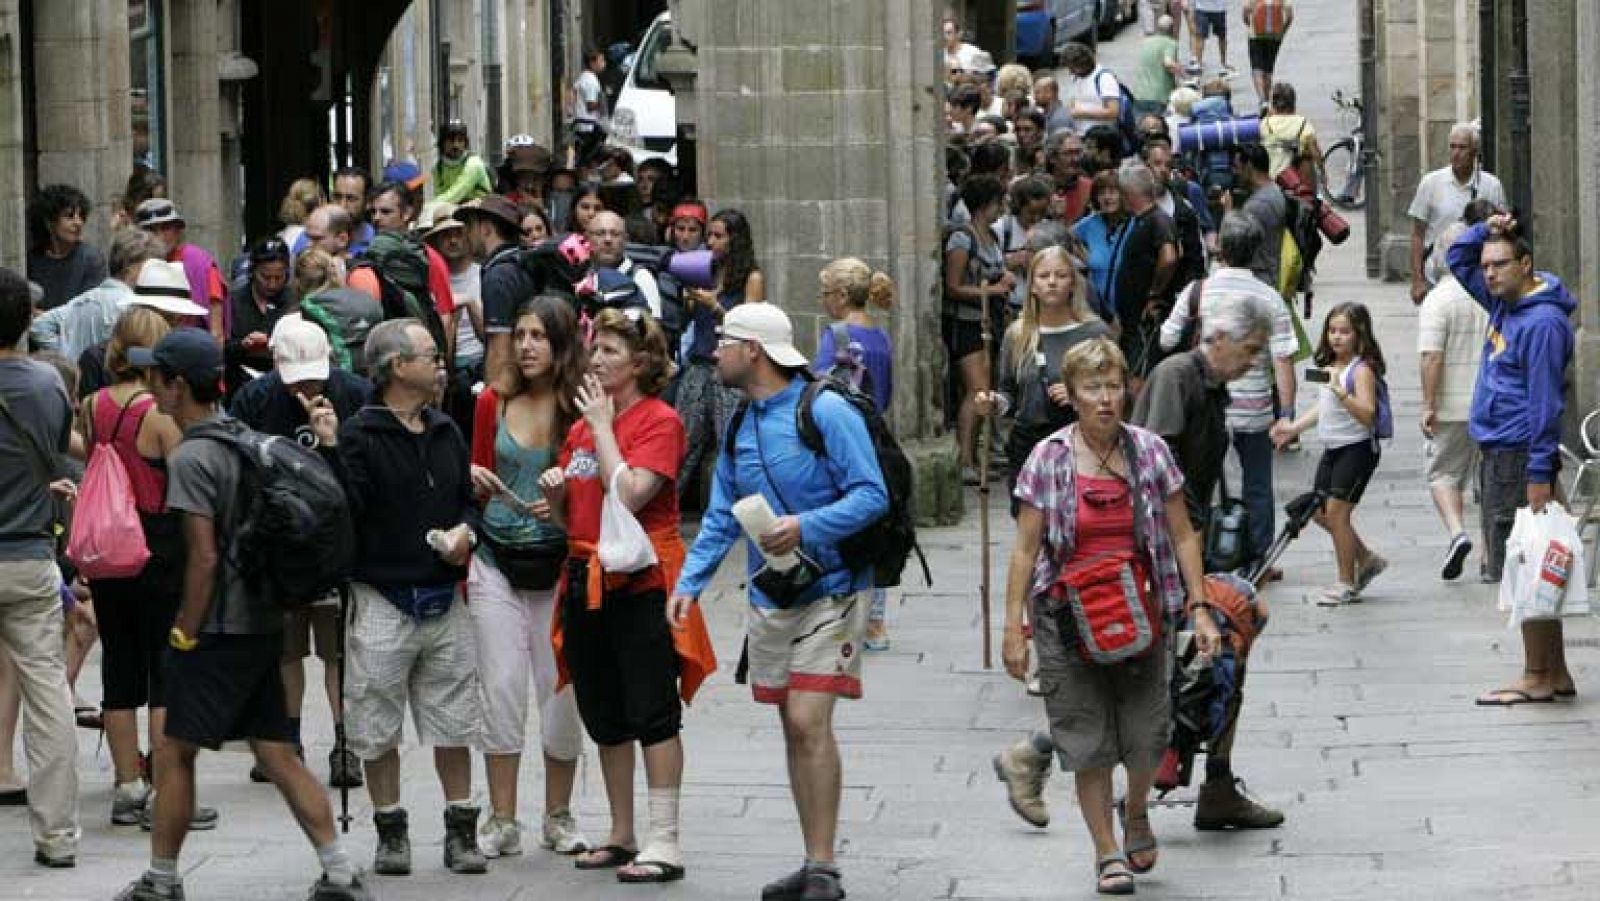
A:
(1336, 426)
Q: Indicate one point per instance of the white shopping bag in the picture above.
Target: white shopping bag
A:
(624, 546)
(1545, 574)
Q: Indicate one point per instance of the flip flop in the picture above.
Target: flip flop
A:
(611, 857)
(658, 871)
(1510, 697)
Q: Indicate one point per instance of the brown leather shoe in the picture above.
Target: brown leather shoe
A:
(1224, 805)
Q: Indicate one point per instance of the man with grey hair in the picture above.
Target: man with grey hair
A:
(406, 472)
(1266, 389)
(1144, 272)
(1442, 196)
(330, 229)
(608, 235)
(1063, 160)
(89, 318)
(1185, 402)
(1450, 339)
(1047, 97)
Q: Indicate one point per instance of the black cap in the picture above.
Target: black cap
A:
(187, 351)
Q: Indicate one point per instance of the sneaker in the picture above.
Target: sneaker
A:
(822, 885)
(344, 769)
(143, 889)
(1224, 805)
(1337, 596)
(204, 819)
(560, 834)
(461, 854)
(1369, 571)
(128, 802)
(323, 890)
(789, 888)
(877, 637)
(56, 853)
(1025, 772)
(1456, 557)
(392, 857)
(500, 838)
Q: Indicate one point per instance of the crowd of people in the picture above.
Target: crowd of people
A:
(520, 379)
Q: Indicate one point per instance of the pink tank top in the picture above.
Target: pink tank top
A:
(119, 427)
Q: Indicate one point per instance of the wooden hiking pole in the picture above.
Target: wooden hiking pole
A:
(985, 438)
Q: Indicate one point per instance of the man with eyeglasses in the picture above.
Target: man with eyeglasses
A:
(404, 466)
(1064, 161)
(608, 235)
(1442, 196)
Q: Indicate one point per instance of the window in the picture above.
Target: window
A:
(657, 40)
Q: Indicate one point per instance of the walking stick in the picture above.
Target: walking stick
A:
(339, 743)
(985, 438)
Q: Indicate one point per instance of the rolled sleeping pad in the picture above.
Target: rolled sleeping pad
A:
(1221, 135)
(693, 268)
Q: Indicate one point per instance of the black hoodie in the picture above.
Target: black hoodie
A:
(400, 486)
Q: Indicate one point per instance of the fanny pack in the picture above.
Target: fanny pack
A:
(420, 602)
(1109, 602)
(785, 587)
(529, 567)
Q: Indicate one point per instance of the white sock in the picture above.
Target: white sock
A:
(463, 804)
(387, 808)
(662, 839)
(336, 863)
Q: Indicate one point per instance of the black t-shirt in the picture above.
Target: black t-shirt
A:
(1142, 240)
(504, 286)
(67, 277)
(1188, 408)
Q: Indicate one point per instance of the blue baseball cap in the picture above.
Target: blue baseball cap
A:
(189, 352)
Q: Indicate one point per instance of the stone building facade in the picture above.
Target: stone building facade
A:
(1431, 62)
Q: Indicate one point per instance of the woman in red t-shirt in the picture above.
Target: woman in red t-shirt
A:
(615, 640)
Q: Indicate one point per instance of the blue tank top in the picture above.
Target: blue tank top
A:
(519, 468)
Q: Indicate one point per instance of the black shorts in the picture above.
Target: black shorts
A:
(961, 338)
(1264, 54)
(134, 616)
(1343, 472)
(230, 687)
(623, 664)
(1207, 24)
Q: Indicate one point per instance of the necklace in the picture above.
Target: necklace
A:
(1106, 458)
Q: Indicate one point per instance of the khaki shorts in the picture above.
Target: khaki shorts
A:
(1101, 716)
(299, 626)
(1455, 456)
(813, 647)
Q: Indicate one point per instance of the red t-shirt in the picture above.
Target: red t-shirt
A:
(1075, 200)
(650, 436)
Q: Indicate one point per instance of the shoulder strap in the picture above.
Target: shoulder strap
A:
(804, 421)
(762, 456)
(117, 428)
(43, 465)
(734, 422)
(841, 339)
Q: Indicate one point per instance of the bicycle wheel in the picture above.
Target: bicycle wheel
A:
(1343, 182)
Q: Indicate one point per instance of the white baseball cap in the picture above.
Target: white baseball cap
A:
(299, 350)
(769, 326)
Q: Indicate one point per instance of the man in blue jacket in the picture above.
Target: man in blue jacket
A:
(1516, 416)
(806, 625)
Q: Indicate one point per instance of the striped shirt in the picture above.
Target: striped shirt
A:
(1250, 395)
(1048, 482)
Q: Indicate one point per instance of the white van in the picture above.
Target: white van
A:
(645, 120)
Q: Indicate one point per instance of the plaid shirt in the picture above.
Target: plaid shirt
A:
(1048, 482)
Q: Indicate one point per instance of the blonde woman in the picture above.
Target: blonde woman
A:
(855, 348)
(347, 315)
(303, 196)
(1055, 318)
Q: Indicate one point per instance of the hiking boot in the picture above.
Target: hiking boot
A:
(1025, 771)
(142, 889)
(461, 854)
(561, 834)
(127, 803)
(323, 890)
(344, 769)
(500, 838)
(393, 854)
(1224, 805)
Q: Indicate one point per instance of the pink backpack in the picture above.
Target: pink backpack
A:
(107, 538)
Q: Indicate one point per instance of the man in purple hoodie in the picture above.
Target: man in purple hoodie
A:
(1516, 417)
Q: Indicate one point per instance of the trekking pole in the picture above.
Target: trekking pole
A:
(985, 438)
(339, 742)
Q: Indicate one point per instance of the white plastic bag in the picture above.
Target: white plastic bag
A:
(624, 546)
(1546, 575)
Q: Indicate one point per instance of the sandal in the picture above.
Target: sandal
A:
(1145, 843)
(607, 857)
(650, 871)
(1112, 876)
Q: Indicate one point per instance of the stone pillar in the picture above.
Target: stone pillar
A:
(13, 177)
(821, 122)
(1585, 282)
(82, 106)
(1553, 62)
(194, 176)
(1400, 138)
(535, 46)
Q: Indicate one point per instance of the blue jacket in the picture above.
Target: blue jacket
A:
(836, 494)
(1520, 395)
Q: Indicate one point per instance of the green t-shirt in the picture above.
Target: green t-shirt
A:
(1152, 83)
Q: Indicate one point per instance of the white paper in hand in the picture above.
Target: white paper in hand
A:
(756, 517)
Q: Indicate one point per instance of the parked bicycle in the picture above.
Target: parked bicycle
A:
(1582, 492)
(1344, 174)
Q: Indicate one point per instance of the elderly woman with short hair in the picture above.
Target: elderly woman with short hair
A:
(1094, 489)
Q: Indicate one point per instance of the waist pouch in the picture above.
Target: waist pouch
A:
(1108, 600)
(529, 567)
(420, 602)
(784, 588)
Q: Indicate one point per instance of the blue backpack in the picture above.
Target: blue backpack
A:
(1127, 120)
(1383, 422)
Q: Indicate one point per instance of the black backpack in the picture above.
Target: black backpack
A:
(401, 265)
(886, 545)
(294, 537)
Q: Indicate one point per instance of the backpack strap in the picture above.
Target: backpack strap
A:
(805, 421)
(841, 343)
(116, 429)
